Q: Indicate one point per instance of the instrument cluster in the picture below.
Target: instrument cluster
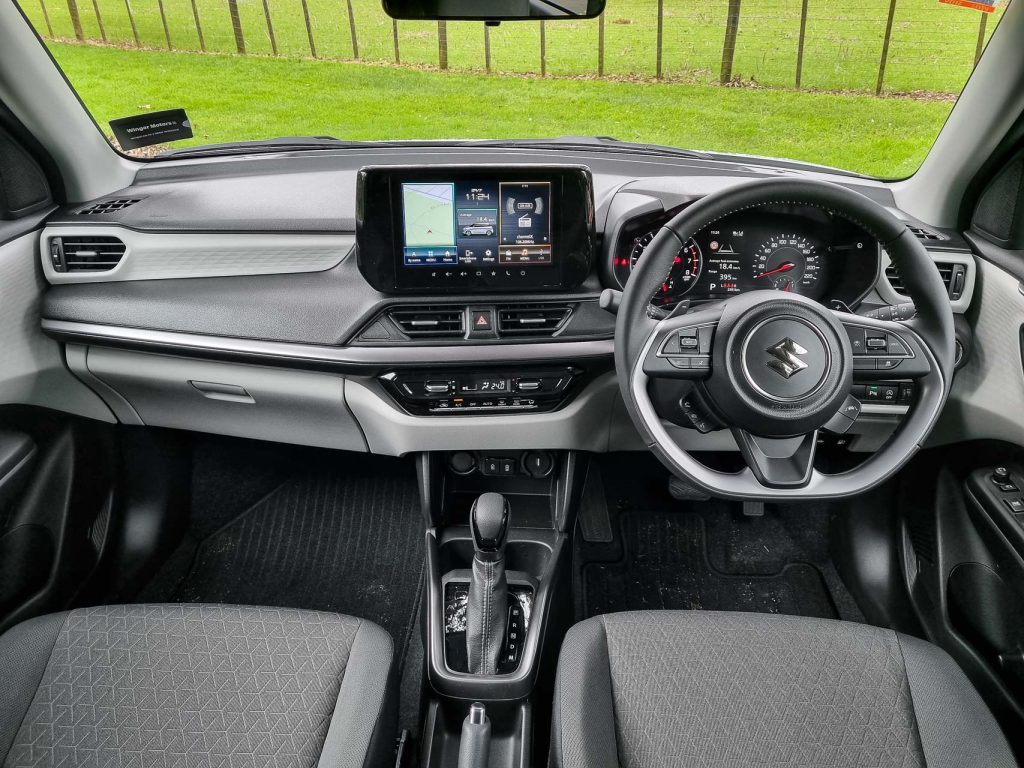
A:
(784, 248)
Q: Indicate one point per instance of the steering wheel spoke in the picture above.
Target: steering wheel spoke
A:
(885, 348)
(681, 346)
(778, 462)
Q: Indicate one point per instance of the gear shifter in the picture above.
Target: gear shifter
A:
(487, 609)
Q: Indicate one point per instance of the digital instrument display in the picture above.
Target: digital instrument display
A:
(477, 225)
(791, 249)
(436, 229)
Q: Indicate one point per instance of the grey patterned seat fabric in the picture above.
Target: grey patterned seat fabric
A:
(691, 688)
(196, 685)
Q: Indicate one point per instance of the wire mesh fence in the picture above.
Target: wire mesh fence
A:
(874, 46)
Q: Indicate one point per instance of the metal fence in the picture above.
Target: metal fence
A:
(871, 46)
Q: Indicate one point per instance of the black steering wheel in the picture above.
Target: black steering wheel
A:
(775, 368)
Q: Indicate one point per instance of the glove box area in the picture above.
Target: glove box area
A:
(262, 403)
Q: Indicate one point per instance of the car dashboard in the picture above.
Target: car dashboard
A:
(288, 297)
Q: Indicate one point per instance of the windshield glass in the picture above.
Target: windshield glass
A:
(862, 85)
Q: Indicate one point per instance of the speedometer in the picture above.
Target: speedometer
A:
(787, 262)
(686, 268)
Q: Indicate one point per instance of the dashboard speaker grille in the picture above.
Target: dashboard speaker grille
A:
(429, 321)
(108, 206)
(533, 319)
(89, 254)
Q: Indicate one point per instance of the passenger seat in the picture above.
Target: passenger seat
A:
(196, 685)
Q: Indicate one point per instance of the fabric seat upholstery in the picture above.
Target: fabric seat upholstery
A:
(692, 688)
(196, 685)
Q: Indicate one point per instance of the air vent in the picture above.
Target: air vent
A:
(108, 206)
(926, 235)
(430, 321)
(953, 276)
(534, 319)
(85, 254)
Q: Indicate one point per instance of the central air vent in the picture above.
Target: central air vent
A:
(926, 235)
(108, 206)
(535, 319)
(430, 321)
(73, 253)
(954, 276)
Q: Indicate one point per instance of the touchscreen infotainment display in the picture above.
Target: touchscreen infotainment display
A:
(477, 224)
(449, 228)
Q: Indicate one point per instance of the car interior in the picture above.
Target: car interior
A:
(508, 453)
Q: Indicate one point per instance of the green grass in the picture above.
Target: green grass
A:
(932, 49)
(235, 97)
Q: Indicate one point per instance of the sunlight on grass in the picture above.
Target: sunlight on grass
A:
(234, 98)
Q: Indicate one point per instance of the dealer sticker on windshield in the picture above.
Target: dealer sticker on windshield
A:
(151, 128)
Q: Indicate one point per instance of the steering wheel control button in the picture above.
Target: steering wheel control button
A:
(857, 339)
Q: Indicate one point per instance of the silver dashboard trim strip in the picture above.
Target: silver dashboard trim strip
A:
(321, 356)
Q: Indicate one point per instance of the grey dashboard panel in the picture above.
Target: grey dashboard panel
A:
(315, 191)
(171, 255)
(310, 308)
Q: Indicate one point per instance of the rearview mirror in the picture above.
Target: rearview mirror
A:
(492, 10)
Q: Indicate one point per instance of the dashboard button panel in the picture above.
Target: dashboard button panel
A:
(482, 392)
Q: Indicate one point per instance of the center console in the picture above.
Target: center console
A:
(499, 596)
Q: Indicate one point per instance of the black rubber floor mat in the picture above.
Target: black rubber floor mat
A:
(666, 566)
(348, 540)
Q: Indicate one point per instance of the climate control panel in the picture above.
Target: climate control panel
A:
(440, 392)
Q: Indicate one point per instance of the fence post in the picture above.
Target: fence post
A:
(800, 44)
(732, 26)
(46, 17)
(487, 48)
(131, 19)
(885, 47)
(309, 29)
(981, 38)
(543, 51)
(352, 29)
(99, 20)
(394, 34)
(199, 27)
(236, 26)
(76, 19)
(442, 44)
(600, 45)
(661, 20)
(163, 19)
(270, 27)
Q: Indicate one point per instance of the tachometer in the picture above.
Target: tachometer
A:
(686, 268)
(787, 262)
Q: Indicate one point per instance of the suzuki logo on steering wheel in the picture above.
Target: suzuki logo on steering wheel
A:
(785, 359)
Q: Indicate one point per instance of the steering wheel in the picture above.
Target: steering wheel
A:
(775, 368)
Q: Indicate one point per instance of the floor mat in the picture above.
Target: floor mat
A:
(340, 533)
(666, 566)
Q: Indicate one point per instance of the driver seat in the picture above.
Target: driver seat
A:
(689, 688)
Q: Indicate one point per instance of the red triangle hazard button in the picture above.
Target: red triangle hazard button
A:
(481, 320)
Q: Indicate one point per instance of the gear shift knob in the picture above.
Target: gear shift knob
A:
(488, 521)
(487, 604)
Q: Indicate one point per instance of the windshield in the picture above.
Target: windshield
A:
(862, 85)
